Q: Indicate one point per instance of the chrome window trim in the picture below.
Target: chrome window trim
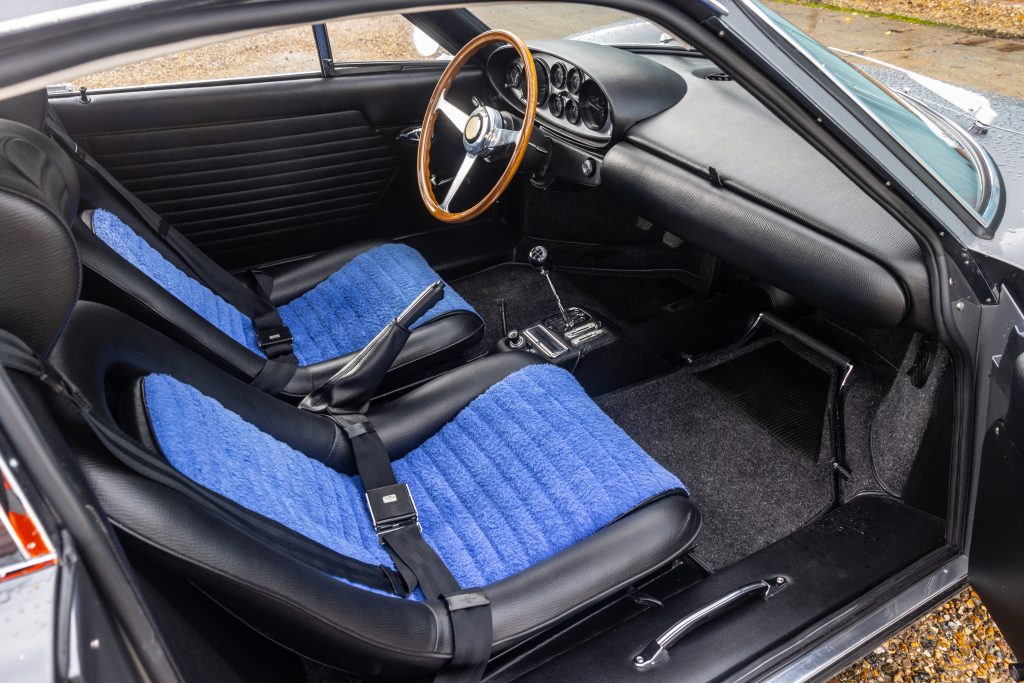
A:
(991, 202)
(988, 176)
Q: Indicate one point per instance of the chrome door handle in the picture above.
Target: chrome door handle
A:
(657, 651)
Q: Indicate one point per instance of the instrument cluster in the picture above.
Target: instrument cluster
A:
(566, 95)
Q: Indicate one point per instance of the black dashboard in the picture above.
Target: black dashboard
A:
(586, 93)
(670, 136)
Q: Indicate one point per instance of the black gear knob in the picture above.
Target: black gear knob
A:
(538, 257)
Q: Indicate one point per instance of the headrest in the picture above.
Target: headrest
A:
(40, 273)
(29, 109)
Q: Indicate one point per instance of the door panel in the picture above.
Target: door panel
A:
(271, 169)
(996, 567)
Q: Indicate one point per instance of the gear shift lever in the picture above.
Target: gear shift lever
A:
(538, 257)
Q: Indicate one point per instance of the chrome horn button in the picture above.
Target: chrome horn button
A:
(474, 127)
(482, 133)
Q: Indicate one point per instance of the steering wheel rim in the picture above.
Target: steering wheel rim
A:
(481, 130)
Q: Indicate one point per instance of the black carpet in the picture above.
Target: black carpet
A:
(780, 391)
(751, 487)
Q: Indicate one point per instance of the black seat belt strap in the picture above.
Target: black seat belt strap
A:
(396, 520)
(272, 335)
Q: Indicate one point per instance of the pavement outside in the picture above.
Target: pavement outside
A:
(975, 61)
(958, 641)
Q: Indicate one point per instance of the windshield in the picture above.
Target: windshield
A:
(943, 154)
(589, 23)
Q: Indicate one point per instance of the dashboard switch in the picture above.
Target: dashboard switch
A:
(587, 167)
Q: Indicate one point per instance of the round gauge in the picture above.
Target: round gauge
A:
(574, 80)
(558, 75)
(542, 83)
(572, 111)
(593, 106)
(556, 106)
(514, 76)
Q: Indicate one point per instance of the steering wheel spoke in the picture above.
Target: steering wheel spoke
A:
(507, 137)
(460, 176)
(452, 113)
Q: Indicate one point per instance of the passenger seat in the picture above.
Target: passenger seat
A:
(290, 327)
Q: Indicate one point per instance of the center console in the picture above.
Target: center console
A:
(581, 341)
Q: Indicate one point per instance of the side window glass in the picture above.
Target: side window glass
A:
(273, 53)
(387, 38)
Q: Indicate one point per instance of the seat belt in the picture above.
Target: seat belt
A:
(396, 520)
(272, 335)
(390, 503)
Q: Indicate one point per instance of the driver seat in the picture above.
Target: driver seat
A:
(329, 306)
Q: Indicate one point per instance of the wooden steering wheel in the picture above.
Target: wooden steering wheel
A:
(483, 131)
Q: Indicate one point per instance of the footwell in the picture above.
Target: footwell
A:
(753, 487)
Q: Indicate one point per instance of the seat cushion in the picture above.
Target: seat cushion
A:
(336, 317)
(344, 312)
(527, 469)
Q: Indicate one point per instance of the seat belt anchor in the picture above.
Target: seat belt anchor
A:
(392, 508)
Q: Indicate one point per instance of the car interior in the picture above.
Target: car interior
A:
(622, 346)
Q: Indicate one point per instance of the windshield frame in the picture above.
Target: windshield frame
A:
(990, 202)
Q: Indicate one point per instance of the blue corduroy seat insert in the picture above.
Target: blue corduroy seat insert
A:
(529, 468)
(345, 311)
(337, 316)
(189, 291)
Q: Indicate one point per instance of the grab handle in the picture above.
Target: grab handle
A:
(657, 651)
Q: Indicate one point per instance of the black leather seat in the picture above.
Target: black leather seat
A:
(124, 277)
(511, 488)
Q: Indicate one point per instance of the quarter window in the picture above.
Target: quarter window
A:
(274, 53)
(387, 38)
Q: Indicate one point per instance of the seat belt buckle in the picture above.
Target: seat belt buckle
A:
(392, 508)
(273, 336)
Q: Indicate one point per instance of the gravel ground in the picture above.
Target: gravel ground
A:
(956, 642)
(293, 50)
(956, 56)
(1001, 19)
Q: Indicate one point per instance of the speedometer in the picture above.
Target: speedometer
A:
(593, 106)
(542, 83)
(514, 76)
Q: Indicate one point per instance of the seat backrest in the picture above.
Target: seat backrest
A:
(40, 273)
(147, 259)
